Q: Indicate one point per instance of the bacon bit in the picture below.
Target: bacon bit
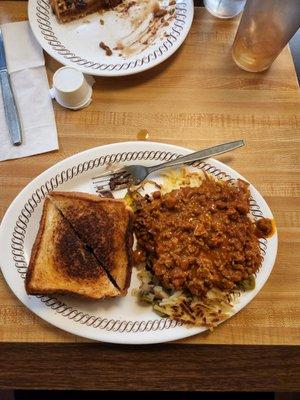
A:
(119, 46)
(107, 50)
(158, 13)
(128, 6)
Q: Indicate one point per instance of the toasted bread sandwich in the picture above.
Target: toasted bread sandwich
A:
(60, 263)
(105, 227)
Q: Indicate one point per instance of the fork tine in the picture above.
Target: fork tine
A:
(111, 181)
(119, 187)
(107, 187)
(118, 171)
(100, 188)
(102, 180)
(116, 180)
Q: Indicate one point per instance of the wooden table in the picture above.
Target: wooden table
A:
(195, 99)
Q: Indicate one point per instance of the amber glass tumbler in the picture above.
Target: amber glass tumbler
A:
(265, 28)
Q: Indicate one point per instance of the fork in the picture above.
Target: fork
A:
(135, 174)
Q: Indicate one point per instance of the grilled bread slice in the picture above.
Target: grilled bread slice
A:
(69, 10)
(105, 227)
(60, 263)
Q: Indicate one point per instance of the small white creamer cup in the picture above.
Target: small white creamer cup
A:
(71, 89)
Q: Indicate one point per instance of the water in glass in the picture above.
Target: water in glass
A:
(224, 8)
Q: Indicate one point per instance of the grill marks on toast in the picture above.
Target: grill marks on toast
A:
(105, 229)
(72, 255)
(59, 262)
(90, 225)
(106, 248)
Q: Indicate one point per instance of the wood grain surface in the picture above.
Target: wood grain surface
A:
(169, 367)
(197, 98)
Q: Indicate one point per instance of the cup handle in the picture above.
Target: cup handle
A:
(52, 93)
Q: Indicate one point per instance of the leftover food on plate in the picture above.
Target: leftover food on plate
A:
(69, 10)
(83, 246)
(136, 24)
(199, 246)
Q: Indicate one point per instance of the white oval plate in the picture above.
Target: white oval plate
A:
(77, 43)
(121, 320)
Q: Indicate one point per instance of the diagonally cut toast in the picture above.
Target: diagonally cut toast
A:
(105, 227)
(59, 262)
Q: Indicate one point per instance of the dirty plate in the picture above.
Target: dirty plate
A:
(138, 40)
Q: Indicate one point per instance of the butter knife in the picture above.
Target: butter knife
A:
(10, 108)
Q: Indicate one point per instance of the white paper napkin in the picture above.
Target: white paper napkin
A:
(26, 65)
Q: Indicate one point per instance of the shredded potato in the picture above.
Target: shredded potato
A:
(175, 179)
(215, 308)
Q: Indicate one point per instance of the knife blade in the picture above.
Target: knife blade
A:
(10, 108)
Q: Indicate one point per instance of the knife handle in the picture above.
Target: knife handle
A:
(10, 109)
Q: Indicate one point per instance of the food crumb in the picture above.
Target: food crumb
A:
(129, 5)
(101, 21)
(161, 12)
(106, 48)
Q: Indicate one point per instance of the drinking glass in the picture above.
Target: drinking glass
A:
(224, 8)
(265, 28)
